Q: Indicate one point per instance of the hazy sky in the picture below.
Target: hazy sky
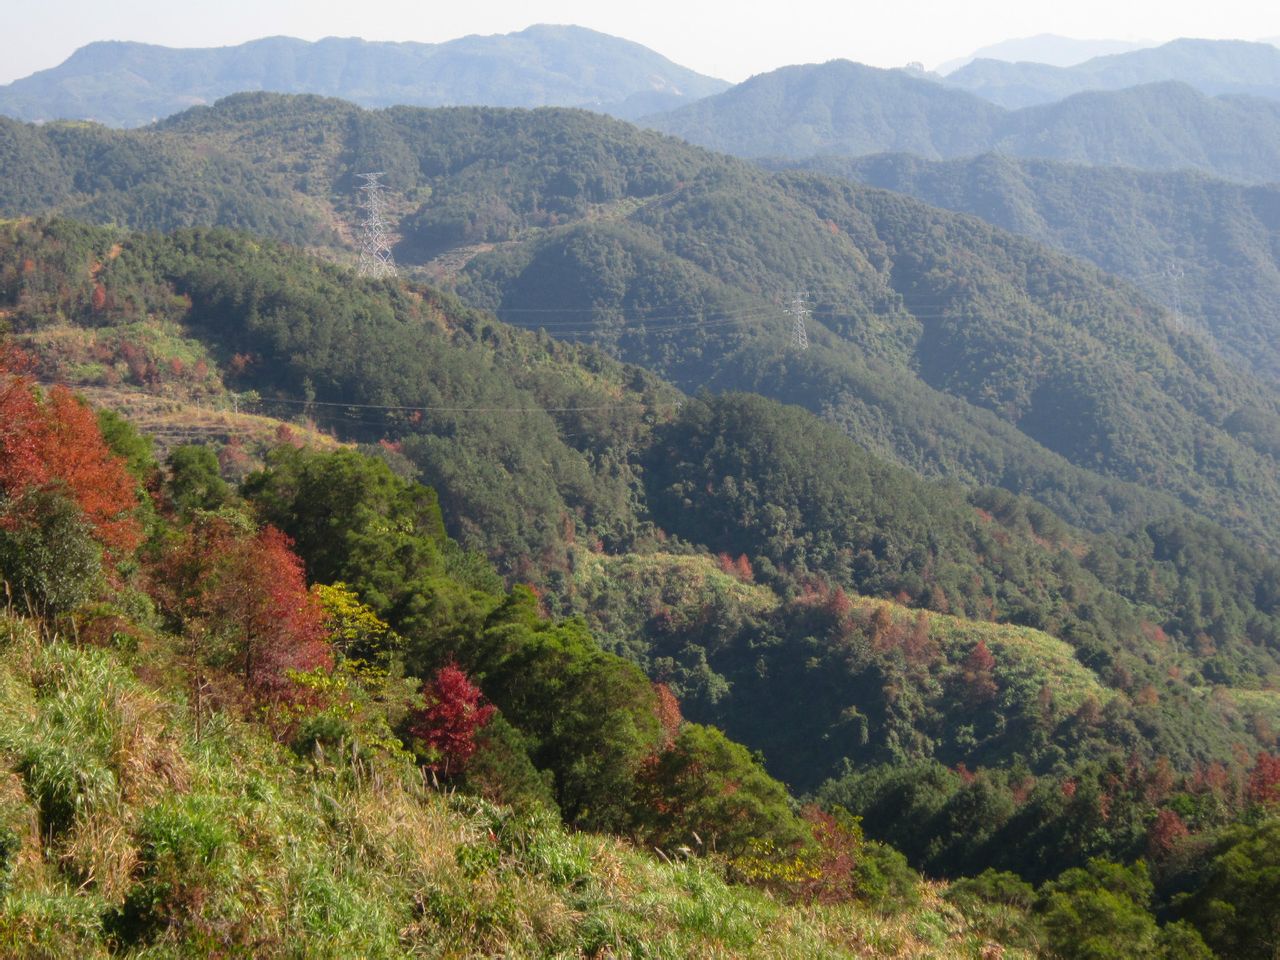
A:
(727, 38)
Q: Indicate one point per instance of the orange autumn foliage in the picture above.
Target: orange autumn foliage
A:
(667, 708)
(1264, 781)
(250, 593)
(54, 443)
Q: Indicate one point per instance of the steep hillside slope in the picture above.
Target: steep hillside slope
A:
(554, 460)
(1205, 248)
(215, 319)
(184, 842)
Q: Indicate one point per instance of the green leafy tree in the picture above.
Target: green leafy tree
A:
(126, 441)
(590, 716)
(353, 521)
(705, 786)
(1236, 905)
(195, 482)
(1101, 912)
(49, 560)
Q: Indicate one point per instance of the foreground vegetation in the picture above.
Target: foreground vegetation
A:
(128, 832)
(206, 757)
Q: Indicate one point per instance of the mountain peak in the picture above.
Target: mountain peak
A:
(1211, 66)
(122, 83)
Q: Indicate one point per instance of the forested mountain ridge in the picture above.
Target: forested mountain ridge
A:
(217, 733)
(837, 107)
(1141, 715)
(554, 459)
(848, 109)
(1210, 66)
(210, 316)
(881, 288)
(678, 259)
(1204, 247)
(132, 84)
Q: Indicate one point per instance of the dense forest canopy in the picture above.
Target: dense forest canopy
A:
(549, 457)
(561, 542)
(1205, 248)
(939, 342)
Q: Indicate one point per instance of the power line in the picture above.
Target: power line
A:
(407, 408)
(442, 408)
(636, 318)
(610, 327)
(596, 321)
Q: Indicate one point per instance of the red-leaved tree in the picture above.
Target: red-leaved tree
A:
(667, 707)
(54, 443)
(977, 674)
(100, 485)
(452, 717)
(837, 849)
(246, 598)
(1264, 781)
(21, 465)
(1166, 830)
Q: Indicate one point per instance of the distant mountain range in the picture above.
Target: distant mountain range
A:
(1211, 66)
(1160, 108)
(848, 109)
(1043, 48)
(130, 84)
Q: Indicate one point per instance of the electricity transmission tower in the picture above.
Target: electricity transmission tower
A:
(375, 243)
(1174, 274)
(799, 311)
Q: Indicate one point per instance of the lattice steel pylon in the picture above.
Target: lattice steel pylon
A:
(375, 240)
(799, 311)
(1175, 275)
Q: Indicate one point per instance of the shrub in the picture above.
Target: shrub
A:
(48, 557)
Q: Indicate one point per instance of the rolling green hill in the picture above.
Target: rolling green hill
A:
(940, 342)
(436, 625)
(779, 579)
(896, 287)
